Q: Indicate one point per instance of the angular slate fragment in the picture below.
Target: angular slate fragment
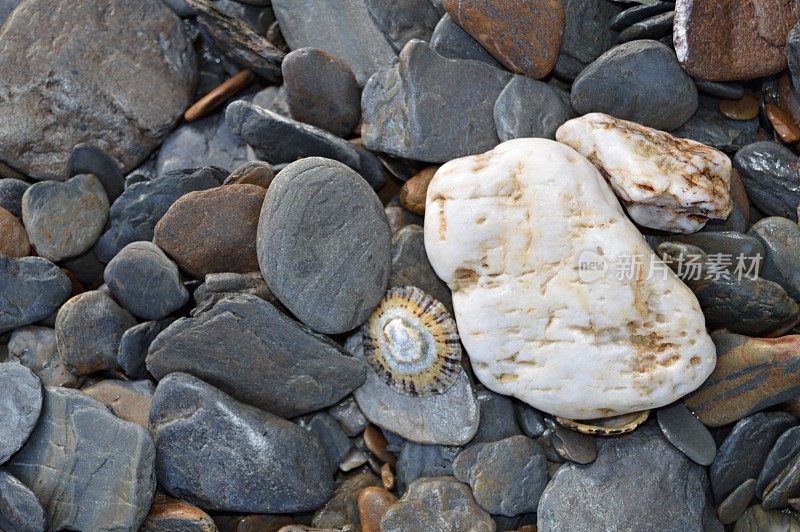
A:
(253, 352)
(31, 289)
(134, 345)
(220, 454)
(786, 448)
(403, 20)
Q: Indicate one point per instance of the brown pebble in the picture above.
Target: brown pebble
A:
(783, 123)
(387, 477)
(213, 231)
(13, 238)
(129, 400)
(412, 194)
(376, 444)
(218, 95)
(257, 173)
(745, 108)
(373, 502)
(167, 513)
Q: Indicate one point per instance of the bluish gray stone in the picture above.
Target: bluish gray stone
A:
(708, 126)
(20, 511)
(145, 281)
(410, 266)
(687, 433)
(134, 345)
(206, 142)
(771, 176)
(781, 263)
(653, 27)
(451, 41)
(87, 159)
(332, 438)
(220, 454)
(530, 108)
(20, 404)
(639, 12)
(11, 192)
(587, 34)
(529, 420)
(786, 447)
(784, 487)
(31, 289)
(793, 53)
(403, 20)
(497, 418)
(417, 460)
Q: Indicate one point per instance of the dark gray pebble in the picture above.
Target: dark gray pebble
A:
(134, 345)
(403, 20)
(86, 159)
(450, 40)
(637, 13)
(781, 263)
(793, 53)
(529, 420)
(782, 453)
(20, 510)
(331, 437)
(11, 192)
(757, 519)
(783, 487)
(729, 90)
(417, 460)
(530, 108)
(687, 433)
(737, 502)
(20, 404)
(771, 175)
(410, 265)
(587, 34)
(31, 289)
(709, 126)
(497, 420)
(571, 445)
(654, 27)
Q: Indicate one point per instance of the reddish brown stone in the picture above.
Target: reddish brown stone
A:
(13, 238)
(373, 502)
(783, 123)
(376, 444)
(167, 513)
(412, 195)
(258, 173)
(745, 108)
(524, 35)
(213, 231)
(733, 39)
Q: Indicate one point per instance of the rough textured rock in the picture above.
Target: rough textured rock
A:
(648, 478)
(82, 452)
(437, 504)
(587, 34)
(144, 281)
(35, 347)
(507, 476)
(733, 40)
(664, 182)
(252, 351)
(73, 88)
(401, 119)
(450, 40)
(330, 280)
(20, 511)
(526, 41)
(134, 215)
(745, 449)
(771, 175)
(31, 289)
(205, 142)
(89, 328)
(11, 192)
(322, 91)
(751, 374)
(20, 404)
(15, 242)
(279, 139)
(129, 400)
(530, 108)
(218, 453)
(344, 29)
(534, 319)
(65, 219)
(173, 515)
(639, 81)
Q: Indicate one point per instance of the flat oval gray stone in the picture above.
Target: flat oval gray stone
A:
(20, 511)
(76, 91)
(771, 175)
(687, 433)
(82, 452)
(35, 347)
(640, 81)
(20, 404)
(64, 219)
(31, 289)
(89, 328)
(737, 502)
(530, 108)
(506, 476)
(145, 281)
(785, 449)
(253, 352)
(220, 454)
(781, 262)
(324, 244)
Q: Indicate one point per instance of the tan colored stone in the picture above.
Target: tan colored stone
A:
(783, 123)
(167, 514)
(213, 230)
(372, 505)
(525, 38)
(257, 173)
(376, 444)
(745, 108)
(412, 194)
(13, 238)
(387, 477)
(129, 400)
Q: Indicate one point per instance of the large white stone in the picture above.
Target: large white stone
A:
(506, 231)
(665, 182)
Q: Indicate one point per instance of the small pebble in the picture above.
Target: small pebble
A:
(571, 445)
(376, 444)
(86, 159)
(720, 89)
(11, 192)
(418, 461)
(341, 509)
(687, 433)
(782, 453)
(31, 289)
(783, 123)
(257, 173)
(497, 419)
(129, 400)
(14, 242)
(413, 191)
(134, 345)
(450, 40)
(349, 416)
(638, 13)
(745, 108)
(387, 477)
(737, 502)
(168, 514)
(373, 502)
(654, 27)
(355, 458)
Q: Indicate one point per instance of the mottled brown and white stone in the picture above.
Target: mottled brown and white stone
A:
(665, 182)
(507, 231)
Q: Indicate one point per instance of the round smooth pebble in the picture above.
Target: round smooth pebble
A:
(20, 510)
(11, 192)
(20, 405)
(737, 502)
(145, 281)
(324, 244)
(257, 173)
(213, 230)
(683, 430)
(745, 108)
(373, 502)
(321, 90)
(413, 191)
(14, 242)
(64, 219)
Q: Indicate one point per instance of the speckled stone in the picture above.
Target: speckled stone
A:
(257, 173)
(757, 519)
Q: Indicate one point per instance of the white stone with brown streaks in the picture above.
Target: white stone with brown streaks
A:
(665, 182)
(505, 230)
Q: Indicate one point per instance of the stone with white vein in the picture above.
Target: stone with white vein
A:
(507, 231)
(665, 182)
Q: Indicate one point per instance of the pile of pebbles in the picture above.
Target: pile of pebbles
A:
(217, 308)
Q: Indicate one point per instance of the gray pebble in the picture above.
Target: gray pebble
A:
(417, 460)
(729, 243)
(410, 265)
(687, 433)
(654, 27)
(341, 510)
(529, 420)
(639, 81)
(20, 404)
(349, 416)
(451, 41)
(770, 174)
(89, 328)
(571, 445)
(31, 289)
(506, 476)
(587, 34)
(330, 280)
(497, 418)
(35, 347)
(20, 510)
(730, 90)
(783, 487)
(793, 53)
(637, 13)
(216, 452)
(786, 447)
(530, 108)
(134, 345)
(87, 159)
(145, 281)
(205, 142)
(65, 219)
(11, 192)
(273, 99)
(331, 437)
(403, 20)
(87, 268)
(708, 126)
(737, 502)
(781, 263)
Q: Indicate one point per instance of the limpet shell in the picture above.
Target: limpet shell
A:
(607, 426)
(412, 343)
